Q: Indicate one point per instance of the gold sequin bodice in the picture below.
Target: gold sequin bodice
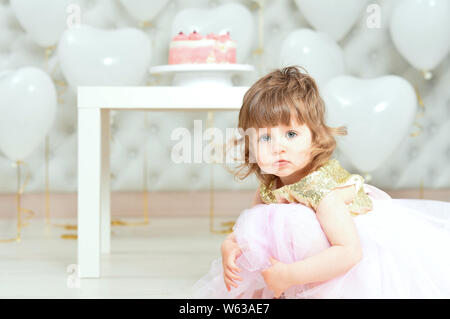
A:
(313, 187)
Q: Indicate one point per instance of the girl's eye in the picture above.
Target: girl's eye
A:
(264, 138)
(291, 134)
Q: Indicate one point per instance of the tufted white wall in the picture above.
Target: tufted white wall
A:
(368, 53)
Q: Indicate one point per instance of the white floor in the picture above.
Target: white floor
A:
(160, 260)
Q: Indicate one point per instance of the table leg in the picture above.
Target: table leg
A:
(105, 213)
(89, 192)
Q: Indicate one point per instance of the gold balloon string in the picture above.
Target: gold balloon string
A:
(47, 191)
(259, 4)
(48, 52)
(154, 82)
(419, 114)
(146, 221)
(118, 222)
(145, 24)
(149, 24)
(228, 225)
(28, 213)
(421, 189)
(61, 86)
(20, 192)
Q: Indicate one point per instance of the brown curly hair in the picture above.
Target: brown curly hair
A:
(271, 101)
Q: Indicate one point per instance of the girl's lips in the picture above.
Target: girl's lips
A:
(281, 163)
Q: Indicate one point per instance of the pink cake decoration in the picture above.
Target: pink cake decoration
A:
(197, 49)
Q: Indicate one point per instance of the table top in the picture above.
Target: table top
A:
(160, 97)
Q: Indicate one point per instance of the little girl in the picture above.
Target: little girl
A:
(315, 230)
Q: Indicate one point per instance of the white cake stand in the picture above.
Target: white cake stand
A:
(208, 75)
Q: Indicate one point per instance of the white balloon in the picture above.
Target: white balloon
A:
(90, 56)
(316, 52)
(233, 17)
(377, 113)
(144, 10)
(336, 19)
(420, 30)
(27, 110)
(44, 20)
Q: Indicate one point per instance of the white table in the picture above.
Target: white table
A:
(94, 105)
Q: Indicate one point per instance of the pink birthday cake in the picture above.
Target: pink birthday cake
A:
(198, 49)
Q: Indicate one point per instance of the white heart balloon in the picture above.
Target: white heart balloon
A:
(143, 10)
(27, 108)
(420, 30)
(336, 19)
(316, 52)
(90, 56)
(233, 17)
(44, 20)
(377, 113)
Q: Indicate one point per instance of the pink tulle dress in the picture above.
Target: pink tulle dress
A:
(405, 243)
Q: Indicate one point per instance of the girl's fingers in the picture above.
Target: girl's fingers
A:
(227, 277)
(232, 275)
(231, 282)
(232, 264)
(235, 268)
(235, 275)
(227, 284)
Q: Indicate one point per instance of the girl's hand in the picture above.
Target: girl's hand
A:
(276, 277)
(230, 252)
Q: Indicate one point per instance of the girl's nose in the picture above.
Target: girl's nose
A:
(278, 146)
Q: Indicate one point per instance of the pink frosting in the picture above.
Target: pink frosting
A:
(212, 36)
(204, 53)
(180, 37)
(224, 37)
(195, 36)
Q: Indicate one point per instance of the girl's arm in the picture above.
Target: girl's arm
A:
(229, 239)
(230, 251)
(345, 250)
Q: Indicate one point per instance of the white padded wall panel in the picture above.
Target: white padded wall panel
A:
(422, 159)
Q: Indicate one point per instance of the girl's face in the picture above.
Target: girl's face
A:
(283, 150)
